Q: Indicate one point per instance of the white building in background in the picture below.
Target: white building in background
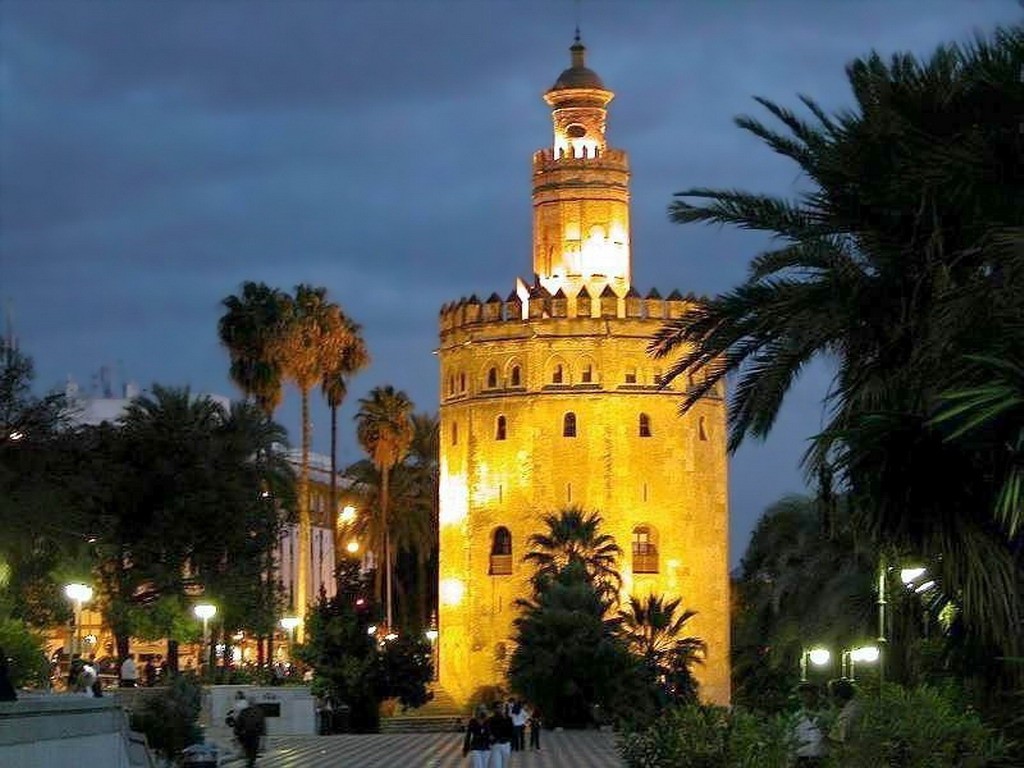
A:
(322, 555)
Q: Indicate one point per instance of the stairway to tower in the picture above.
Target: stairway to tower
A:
(442, 713)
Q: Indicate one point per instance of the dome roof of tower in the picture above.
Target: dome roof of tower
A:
(578, 75)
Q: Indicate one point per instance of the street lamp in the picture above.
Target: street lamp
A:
(819, 657)
(289, 623)
(432, 635)
(78, 593)
(867, 654)
(347, 516)
(205, 612)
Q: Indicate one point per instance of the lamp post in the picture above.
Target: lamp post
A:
(866, 653)
(78, 594)
(819, 657)
(432, 635)
(289, 623)
(205, 612)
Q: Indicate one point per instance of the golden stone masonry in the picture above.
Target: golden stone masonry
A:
(548, 399)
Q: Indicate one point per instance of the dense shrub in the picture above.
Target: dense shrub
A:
(920, 728)
(169, 718)
(701, 736)
(23, 647)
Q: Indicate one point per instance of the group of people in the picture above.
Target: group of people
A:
(813, 736)
(492, 737)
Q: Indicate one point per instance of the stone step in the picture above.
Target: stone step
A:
(422, 724)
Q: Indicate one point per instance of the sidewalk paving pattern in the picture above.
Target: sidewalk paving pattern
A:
(563, 749)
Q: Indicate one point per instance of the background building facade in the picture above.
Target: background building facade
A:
(548, 400)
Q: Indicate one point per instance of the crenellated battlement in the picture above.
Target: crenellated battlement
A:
(540, 305)
(594, 158)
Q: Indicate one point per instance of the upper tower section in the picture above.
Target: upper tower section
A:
(580, 190)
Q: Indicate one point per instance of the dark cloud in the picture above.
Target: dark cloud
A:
(154, 155)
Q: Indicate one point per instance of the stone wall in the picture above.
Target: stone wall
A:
(507, 387)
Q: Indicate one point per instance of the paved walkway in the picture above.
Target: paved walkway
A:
(565, 749)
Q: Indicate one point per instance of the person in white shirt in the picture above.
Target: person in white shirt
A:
(129, 672)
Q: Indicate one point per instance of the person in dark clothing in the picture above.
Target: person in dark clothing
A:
(250, 727)
(502, 732)
(7, 692)
(535, 726)
(149, 673)
(477, 743)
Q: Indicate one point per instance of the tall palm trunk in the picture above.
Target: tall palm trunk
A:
(305, 529)
(332, 499)
(384, 479)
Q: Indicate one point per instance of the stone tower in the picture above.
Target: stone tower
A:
(548, 399)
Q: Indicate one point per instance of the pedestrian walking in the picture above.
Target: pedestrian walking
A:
(129, 677)
(250, 728)
(535, 726)
(518, 715)
(811, 747)
(7, 692)
(477, 742)
(500, 726)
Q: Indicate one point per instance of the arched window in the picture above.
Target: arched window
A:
(492, 378)
(645, 550)
(702, 429)
(587, 373)
(645, 425)
(557, 374)
(631, 374)
(501, 552)
(501, 429)
(455, 433)
(569, 425)
(514, 378)
(462, 382)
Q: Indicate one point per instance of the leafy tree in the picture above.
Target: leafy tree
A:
(23, 647)
(384, 430)
(406, 670)
(344, 658)
(568, 657)
(653, 631)
(35, 540)
(573, 537)
(898, 262)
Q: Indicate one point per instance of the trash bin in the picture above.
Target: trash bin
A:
(342, 719)
(200, 756)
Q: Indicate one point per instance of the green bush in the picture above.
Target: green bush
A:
(28, 666)
(169, 718)
(700, 736)
(919, 728)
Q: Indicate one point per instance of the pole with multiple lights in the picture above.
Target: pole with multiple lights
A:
(78, 594)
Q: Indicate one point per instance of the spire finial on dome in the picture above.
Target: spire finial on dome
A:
(577, 49)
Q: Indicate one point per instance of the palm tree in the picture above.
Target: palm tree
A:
(408, 520)
(424, 460)
(384, 430)
(248, 329)
(653, 631)
(311, 339)
(573, 537)
(908, 200)
(354, 357)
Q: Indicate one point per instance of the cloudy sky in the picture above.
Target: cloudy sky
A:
(154, 155)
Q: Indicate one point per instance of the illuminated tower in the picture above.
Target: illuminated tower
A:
(548, 399)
